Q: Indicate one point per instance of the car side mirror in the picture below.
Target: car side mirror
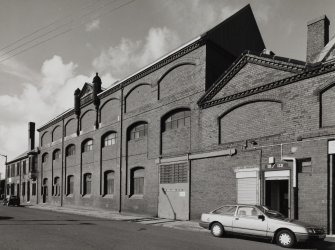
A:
(261, 217)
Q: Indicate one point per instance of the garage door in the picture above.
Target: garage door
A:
(247, 191)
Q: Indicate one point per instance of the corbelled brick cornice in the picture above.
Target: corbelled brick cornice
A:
(279, 63)
(308, 73)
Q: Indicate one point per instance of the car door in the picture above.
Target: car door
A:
(225, 215)
(246, 221)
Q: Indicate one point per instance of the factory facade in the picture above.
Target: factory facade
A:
(220, 120)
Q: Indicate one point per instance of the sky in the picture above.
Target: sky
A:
(48, 48)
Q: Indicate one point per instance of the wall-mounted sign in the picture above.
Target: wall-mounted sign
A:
(278, 165)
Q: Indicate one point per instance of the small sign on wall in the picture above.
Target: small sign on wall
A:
(331, 147)
(182, 194)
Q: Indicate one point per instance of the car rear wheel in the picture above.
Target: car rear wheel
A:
(285, 238)
(217, 229)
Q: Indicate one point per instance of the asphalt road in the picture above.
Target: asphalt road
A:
(26, 228)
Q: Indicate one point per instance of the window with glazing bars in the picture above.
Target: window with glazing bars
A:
(34, 189)
(57, 186)
(18, 168)
(177, 120)
(109, 140)
(24, 167)
(87, 183)
(70, 184)
(109, 183)
(173, 173)
(138, 131)
(70, 150)
(88, 146)
(137, 182)
(45, 158)
(56, 155)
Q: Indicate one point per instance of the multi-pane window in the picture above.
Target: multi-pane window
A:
(137, 181)
(12, 189)
(24, 167)
(44, 189)
(57, 186)
(88, 146)
(87, 183)
(109, 140)
(45, 158)
(23, 188)
(109, 182)
(177, 120)
(12, 170)
(70, 184)
(18, 168)
(138, 131)
(173, 173)
(34, 189)
(70, 150)
(56, 154)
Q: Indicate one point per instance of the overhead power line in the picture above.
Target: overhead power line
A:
(45, 36)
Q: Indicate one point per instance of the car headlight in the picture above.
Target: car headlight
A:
(310, 230)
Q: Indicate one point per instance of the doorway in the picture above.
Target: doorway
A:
(276, 195)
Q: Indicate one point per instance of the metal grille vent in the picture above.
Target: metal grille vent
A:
(174, 173)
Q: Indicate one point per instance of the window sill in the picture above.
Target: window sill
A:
(108, 196)
(136, 196)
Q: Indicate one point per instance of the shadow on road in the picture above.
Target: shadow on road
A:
(5, 218)
(321, 245)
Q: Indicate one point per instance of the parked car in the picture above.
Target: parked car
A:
(11, 200)
(259, 221)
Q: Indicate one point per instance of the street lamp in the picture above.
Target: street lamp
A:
(5, 173)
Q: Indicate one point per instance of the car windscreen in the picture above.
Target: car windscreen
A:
(272, 213)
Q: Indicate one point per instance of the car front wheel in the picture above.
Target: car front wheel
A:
(285, 238)
(217, 229)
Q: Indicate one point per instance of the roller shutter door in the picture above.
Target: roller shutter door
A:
(247, 191)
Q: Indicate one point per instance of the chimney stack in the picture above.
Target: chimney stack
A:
(31, 136)
(317, 37)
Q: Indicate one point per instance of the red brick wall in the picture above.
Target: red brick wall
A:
(56, 133)
(252, 120)
(70, 127)
(328, 107)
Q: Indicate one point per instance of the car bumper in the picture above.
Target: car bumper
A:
(306, 237)
(204, 224)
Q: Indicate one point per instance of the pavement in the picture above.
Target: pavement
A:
(141, 219)
(114, 215)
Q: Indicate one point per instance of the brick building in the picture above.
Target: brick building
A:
(219, 120)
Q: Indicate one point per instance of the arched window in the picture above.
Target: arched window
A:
(109, 182)
(56, 186)
(109, 139)
(137, 181)
(70, 150)
(45, 158)
(44, 189)
(177, 119)
(87, 183)
(70, 184)
(138, 131)
(87, 146)
(56, 154)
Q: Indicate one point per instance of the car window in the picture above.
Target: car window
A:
(247, 211)
(226, 210)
